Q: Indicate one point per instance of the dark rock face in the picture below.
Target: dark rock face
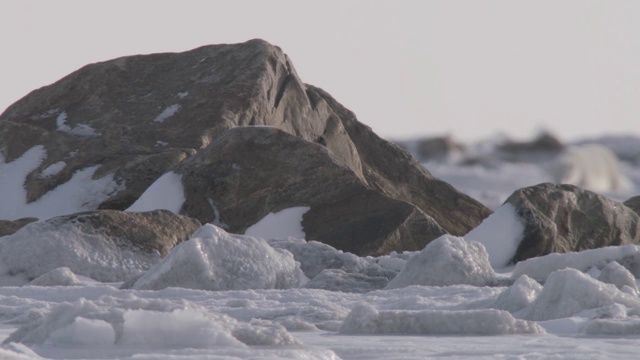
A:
(251, 171)
(633, 203)
(8, 227)
(141, 116)
(158, 230)
(565, 218)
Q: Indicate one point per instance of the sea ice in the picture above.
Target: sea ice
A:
(447, 260)
(216, 260)
(568, 292)
(365, 319)
(540, 267)
(519, 295)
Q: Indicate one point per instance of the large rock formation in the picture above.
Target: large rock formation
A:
(138, 117)
(565, 218)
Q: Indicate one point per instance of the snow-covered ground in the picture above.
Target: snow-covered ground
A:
(269, 295)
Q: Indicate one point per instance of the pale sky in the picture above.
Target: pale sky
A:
(406, 68)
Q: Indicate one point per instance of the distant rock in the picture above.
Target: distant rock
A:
(544, 145)
(105, 245)
(8, 227)
(437, 148)
(565, 218)
(139, 117)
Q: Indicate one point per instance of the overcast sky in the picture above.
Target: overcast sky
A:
(406, 68)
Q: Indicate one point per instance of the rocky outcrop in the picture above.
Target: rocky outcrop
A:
(545, 145)
(633, 203)
(105, 245)
(8, 227)
(249, 172)
(565, 218)
(139, 117)
(153, 231)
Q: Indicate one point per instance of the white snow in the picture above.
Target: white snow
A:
(62, 276)
(81, 193)
(500, 234)
(541, 267)
(166, 193)
(447, 260)
(280, 225)
(182, 94)
(80, 130)
(52, 169)
(216, 260)
(168, 112)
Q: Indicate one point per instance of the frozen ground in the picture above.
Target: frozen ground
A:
(263, 295)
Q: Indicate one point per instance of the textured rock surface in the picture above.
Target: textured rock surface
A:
(141, 116)
(8, 227)
(564, 218)
(158, 230)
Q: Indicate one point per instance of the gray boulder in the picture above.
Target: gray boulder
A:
(566, 218)
(138, 117)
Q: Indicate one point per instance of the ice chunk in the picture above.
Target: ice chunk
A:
(61, 276)
(216, 260)
(540, 267)
(500, 234)
(618, 275)
(84, 332)
(338, 280)
(519, 295)
(166, 193)
(280, 225)
(568, 292)
(365, 319)
(447, 260)
(314, 257)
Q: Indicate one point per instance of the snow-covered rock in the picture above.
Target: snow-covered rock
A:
(448, 260)
(365, 319)
(568, 292)
(216, 260)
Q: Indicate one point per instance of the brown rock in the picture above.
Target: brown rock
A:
(565, 218)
